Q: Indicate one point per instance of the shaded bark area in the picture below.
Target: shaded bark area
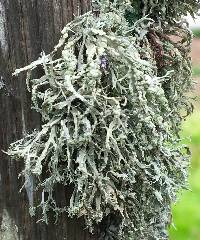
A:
(26, 29)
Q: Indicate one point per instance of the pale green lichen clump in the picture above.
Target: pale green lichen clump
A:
(112, 99)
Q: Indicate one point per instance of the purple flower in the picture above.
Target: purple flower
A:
(104, 64)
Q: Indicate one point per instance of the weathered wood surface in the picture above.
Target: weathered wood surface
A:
(26, 28)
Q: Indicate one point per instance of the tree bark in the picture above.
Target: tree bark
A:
(28, 27)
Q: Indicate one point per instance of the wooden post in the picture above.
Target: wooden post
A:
(26, 28)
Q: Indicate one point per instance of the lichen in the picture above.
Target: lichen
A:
(112, 98)
(3, 40)
(8, 229)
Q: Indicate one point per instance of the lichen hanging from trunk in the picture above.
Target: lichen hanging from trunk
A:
(8, 229)
(111, 100)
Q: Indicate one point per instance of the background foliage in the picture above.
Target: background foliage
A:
(186, 212)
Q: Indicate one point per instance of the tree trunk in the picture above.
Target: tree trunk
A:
(26, 28)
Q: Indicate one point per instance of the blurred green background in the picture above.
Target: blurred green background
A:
(186, 212)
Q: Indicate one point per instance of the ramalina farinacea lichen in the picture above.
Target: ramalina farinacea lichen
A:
(112, 98)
